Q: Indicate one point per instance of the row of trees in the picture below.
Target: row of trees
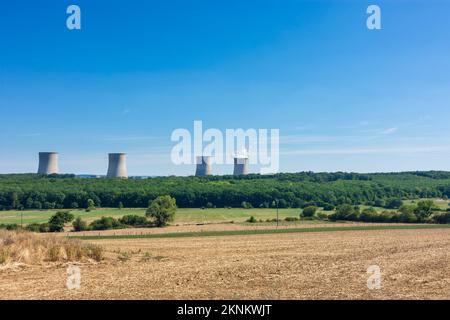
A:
(30, 191)
(422, 212)
(159, 213)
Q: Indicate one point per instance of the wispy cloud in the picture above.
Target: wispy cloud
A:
(389, 130)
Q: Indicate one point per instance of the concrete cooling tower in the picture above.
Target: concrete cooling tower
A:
(203, 166)
(48, 163)
(117, 167)
(240, 166)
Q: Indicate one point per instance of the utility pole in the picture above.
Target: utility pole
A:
(277, 213)
(21, 219)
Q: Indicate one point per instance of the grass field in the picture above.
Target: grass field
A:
(183, 216)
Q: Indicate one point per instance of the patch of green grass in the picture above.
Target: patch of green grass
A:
(264, 231)
(185, 215)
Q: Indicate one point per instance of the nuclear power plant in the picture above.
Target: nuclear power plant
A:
(240, 166)
(48, 163)
(203, 166)
(117, 167)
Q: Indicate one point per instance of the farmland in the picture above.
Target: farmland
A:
(183, 215)
(321, 265)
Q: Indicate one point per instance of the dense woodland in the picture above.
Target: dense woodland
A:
(31, 191)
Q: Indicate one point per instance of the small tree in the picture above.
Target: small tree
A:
(162, 210)
(309, 211)
(80, 225)
(120, 206)
(246, 205)
(58, 220)
(424, 209)
(90, 205)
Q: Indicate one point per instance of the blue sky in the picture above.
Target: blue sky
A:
(344, 97)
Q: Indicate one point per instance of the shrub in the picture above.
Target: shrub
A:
(442, 218)
(345, 212)
(252, 219)
(328, 207)
(33, 227)
(290, 219)
(368, 215)
(58, 220)
(394, 203)
(105, 223)
(246, 205)
(44, 227)
(80, 225)
(120, 206)
(134, 220)
(424, 210)
(309, 211)
(407, 217)
(322, 215)
(162, 210)
(10, 226)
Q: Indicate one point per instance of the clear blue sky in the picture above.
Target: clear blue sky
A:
(344, 97)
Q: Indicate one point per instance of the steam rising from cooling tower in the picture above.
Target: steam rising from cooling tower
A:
(48, 163)
(117, 167)
(203, 166)
(240, 166)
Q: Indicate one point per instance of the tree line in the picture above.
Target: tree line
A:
(296, 190)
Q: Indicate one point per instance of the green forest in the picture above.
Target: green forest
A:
(327, 190)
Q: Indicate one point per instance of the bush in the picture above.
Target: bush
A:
(328, 207)
(394, 203)
(290, 219)
(309, 211)
(407, 217)
(345, 212)
(322, 215)
(368, 215)
(120, 206)
(106, 223)
(44, 227)
(442, 218)
(424, 210)
(246, 205)
(10, 226)
(80, 225)
(252, 219)
(134, 220)
(33, 227)
(162, 210)
(58, 220)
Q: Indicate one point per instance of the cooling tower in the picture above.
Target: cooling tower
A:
(48, 163)
(240, 166)
(203, 166)
(117, 167)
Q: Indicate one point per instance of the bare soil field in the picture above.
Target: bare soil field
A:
(415, 264)
(224, 227)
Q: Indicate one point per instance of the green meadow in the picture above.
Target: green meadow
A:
(183, 216)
